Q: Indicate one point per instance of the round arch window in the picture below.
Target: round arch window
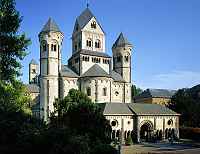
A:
(114, 123)
(170, 122)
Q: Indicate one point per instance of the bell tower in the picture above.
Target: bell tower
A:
(122, 57)
(50, 39)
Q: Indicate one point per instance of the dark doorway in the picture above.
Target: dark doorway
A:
(146, 132)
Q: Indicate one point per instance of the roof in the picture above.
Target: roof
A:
(33, 61)
(95, 71)
(84, 18)
(150, 109)
(33, 88)
(156, 93)
(116, 76)
(50, 26)
(66, 71)
(94, 53)
(115, 109)
(121, 41)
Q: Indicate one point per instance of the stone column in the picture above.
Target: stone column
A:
(177, 126)
(122, 132)
(138, 129)
(163, 133)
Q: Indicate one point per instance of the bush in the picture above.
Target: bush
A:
(103, 149)
(190, 133)
(129, 140)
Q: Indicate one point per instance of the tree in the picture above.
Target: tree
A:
(12, 45)
(187, 103)
(135, 90)
(80, 114)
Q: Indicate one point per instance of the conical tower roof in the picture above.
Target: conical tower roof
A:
(50, 26)
(121, 41)
(33, 61)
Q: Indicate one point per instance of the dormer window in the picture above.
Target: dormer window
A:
(89, 43)
(93, 25)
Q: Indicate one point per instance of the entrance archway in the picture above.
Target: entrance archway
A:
(146, 129)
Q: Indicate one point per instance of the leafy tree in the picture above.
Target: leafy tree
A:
(135, 90)
(12, 45)
(77, 112)
(187, 103)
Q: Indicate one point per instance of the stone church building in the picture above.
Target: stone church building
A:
(105, 79)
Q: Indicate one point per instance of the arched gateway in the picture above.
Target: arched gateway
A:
(146, 129)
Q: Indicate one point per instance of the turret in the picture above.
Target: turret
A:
(50, 65)
(121, 50)
(33, 72)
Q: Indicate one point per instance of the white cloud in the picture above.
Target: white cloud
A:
(173, 80)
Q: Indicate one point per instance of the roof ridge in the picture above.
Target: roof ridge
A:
(50, 26)
(121, 41)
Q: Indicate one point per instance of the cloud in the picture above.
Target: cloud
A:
(173, 80)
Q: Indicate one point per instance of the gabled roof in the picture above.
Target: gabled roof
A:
(116, 76)
(66, 71)
(33, 88)
(115, 109)
(156, 93)
(121, 41)
(50, 26)
(33, 61)
(85, 17)
(95, 71)
(150, 109)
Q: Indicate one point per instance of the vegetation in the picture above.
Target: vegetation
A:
(12, 45)
(187, 103)
(128, 141)
(135, 90)
(76, 127)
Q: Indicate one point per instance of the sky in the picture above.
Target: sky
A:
(165, 35)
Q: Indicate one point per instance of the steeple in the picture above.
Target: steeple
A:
(50, 26)
(121, 41)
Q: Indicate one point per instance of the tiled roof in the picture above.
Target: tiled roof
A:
(33, 88)
(115, 109)
(156, 93)
(121, 41)
(66, 71)
(94, 53)
(116, 76)
(50, 26)
(95, 71)
(33, 61)
(84, 18)
(150, 109)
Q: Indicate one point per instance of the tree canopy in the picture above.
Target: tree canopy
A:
(13, 45)
(187, 102)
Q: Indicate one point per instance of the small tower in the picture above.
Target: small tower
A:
(122, 57)
(33, 72)
(50, 65)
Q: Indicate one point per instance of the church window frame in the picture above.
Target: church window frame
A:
(126, 58)
(88, 91)
(33, 70)
(104, 91)
(97, 43)
(94, 25)
(89, 42)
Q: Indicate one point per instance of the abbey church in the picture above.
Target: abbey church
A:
(105, 79)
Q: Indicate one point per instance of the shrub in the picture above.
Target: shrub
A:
(129, 140)
(103, 149)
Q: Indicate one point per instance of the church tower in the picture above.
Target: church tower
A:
(33, 72)
(121, 50)
(50, 39)
(88, 43)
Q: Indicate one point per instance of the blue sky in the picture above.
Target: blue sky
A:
(165, 35)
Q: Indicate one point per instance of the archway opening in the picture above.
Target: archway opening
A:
(146, 132)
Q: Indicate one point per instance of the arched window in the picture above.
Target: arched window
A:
(89, 91)
(97, 44)
(126, 58)
(93, 25)
(89, 43)
(104, 91)
(44, 46)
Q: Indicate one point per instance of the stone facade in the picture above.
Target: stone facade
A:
(105, 79)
